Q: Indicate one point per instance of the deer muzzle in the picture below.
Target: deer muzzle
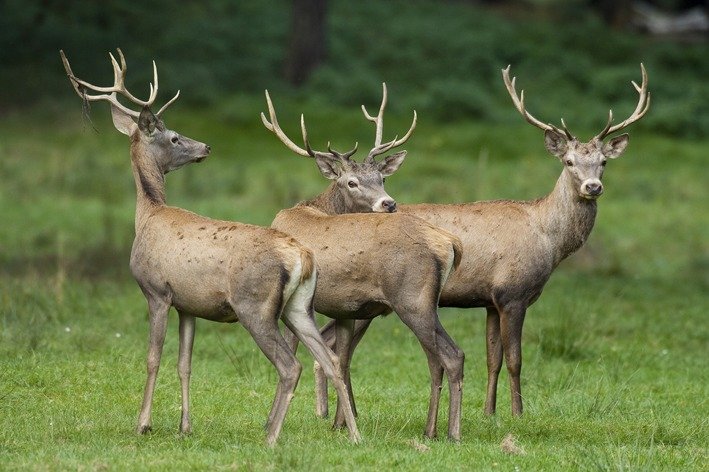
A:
(592, 189)
(384, 205)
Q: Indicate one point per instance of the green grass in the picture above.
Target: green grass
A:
(614, 377)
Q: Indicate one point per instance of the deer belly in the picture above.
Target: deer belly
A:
(201, 293)
(210, 305)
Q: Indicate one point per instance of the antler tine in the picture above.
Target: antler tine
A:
(606, 129)
(304, 131)
(346, 156)
(569, 136)
(164, 107)
(110, 93)
(519, 104)
(120, 85)
(408, 133)
(641, 108)
(70, 74)
(273, 127)
(379, 147)
(379, 119)
(80, 87)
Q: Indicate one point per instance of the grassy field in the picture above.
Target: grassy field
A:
(615, 374)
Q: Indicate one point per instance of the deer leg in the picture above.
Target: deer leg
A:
(360, 328)
(328, 334)
(321, 405)
(159, 309)
(494, 358)
(434, 338)
(436, 371)
(344, 333)
(292, 342)
(184, 368)
(299, 319)
(455, 358)
(269, 339)
(511, 321)
(291, 339)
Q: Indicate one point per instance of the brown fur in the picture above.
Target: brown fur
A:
(217, 270)
(372, 264)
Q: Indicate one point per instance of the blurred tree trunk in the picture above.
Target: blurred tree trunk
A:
(307, 47)
(616, 13)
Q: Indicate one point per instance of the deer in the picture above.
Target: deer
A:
(366, 254)
(511, 248)
(220, 271)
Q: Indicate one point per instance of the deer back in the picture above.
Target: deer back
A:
(371, 263)
(507, 252)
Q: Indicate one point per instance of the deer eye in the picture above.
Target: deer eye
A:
(352, 184)
(569, 162)
(174, 139)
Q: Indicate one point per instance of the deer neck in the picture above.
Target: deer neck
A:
(566, 217)
(330, 201)
(149, 183)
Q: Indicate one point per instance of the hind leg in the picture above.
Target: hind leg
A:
(297, 315)
(263, 328)
(184, 368)
(511, 321)
(434, 338)
(436, 371)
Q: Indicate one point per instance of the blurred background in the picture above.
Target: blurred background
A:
(440, 57)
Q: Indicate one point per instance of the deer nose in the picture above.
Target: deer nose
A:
(209, 148)
(389, 206)
(594, 188)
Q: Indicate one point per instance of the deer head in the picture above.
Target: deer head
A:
(360, 184)
(584, 162)
(168, 149)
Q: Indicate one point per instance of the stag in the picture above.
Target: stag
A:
(216, 270)
(511, 248)
(371, 262)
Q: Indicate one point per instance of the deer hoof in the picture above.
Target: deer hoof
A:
(144, 429)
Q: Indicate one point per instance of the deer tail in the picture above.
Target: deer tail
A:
(457, 251)
(307, 261)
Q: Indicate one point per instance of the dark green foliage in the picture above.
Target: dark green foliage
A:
(442, 58)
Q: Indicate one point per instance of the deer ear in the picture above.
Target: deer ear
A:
(328, 165)
(149, 123)
(555, 143)
(391, 164)
(616, 146)
(123, 121)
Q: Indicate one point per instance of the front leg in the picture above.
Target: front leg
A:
(184, 368)
(328, 334)
(159, 308)
(344, 330)
(494, 358)
(511, 321)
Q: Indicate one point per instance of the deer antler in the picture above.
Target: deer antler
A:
(519, 104)
(275, 128)
(109, 93)
(380, 148)
(640, 109)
